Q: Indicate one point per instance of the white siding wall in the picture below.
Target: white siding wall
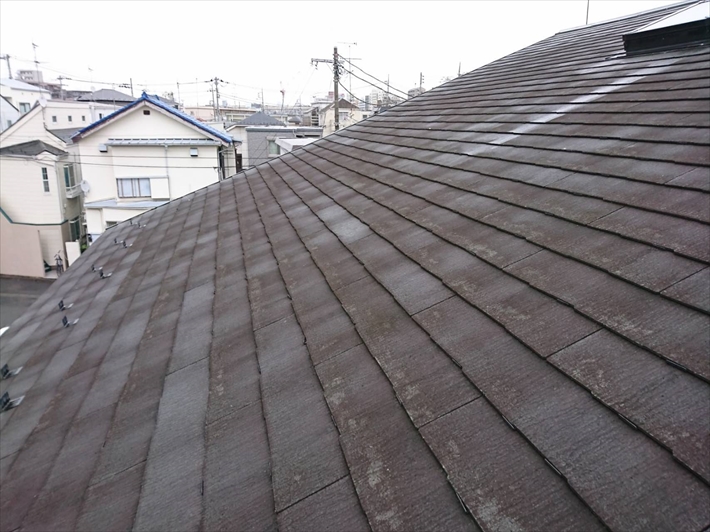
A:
(22, 194)
(30, 128)
(18, 96)
(57, 113)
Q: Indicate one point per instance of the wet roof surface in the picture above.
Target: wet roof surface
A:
(486, 308)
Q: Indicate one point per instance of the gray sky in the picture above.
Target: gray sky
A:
(270, 44)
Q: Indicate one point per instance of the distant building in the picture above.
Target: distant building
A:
(145, 154)
(30, 76)
(259, 134)
(413, 93)
(348, 114)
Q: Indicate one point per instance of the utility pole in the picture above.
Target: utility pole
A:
(336, 81)
(216, 82)
(421, 81)
(178, 91)
(61, 87)
(6, 57)
(34, 49)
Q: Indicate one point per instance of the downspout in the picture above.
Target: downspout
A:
(167, 173)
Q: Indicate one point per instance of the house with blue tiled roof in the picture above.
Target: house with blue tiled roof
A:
(145, 154)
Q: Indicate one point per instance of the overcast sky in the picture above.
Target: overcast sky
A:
(266, 44)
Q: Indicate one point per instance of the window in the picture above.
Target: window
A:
(24, 107)
(146, 112)
(110, 224)
(133, 188)
(45, 179)
(83, 118)
(54, 119)
(101, 115)
(69, 118)
(274, 149)
(69, 178)
(9, 123)
(75, 229)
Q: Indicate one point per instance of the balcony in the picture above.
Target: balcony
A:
(73, 191)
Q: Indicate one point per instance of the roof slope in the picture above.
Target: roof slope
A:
(30, 149)
(486, 308)
(145, 98)
(105, 95)
(260, 119)
(21, 85)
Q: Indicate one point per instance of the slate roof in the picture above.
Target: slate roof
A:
(342, 104)
(486, 308)
(64, 134)
(105, 95)
(161, 104)
(260, 119)
(30, 149)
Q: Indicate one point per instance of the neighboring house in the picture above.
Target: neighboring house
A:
(39, 189)
(145, 154)
(258, 135)
(54, 121)
(8, 114)
(324, 116)
(486, 309)
(22, 95)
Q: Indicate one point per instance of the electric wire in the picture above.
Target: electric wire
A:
(367, 74)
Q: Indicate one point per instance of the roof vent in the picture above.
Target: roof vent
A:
(6, 372)
(67, 323)
(688, 27)
(6, 403)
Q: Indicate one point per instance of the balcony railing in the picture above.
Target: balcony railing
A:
(74, 191)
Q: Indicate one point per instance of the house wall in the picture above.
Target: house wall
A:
(20, 252)
(186, 173)
(327, 119)
(258, 141)
(96, 219)
(30, 127)
(8, 115)
(60, 114)
(22, 194)
(20, 96)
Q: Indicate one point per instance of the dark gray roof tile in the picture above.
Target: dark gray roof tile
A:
(238, 492)
(500, 477)
(486, 306)
(333, 508)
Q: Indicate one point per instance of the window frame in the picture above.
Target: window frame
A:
(272, 142)
(136, 185)
(75, 229)
(45, 179)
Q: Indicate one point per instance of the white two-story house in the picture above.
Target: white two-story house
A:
(40, 208)
(144, 155)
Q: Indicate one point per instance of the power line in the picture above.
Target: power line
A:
(373, 77)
